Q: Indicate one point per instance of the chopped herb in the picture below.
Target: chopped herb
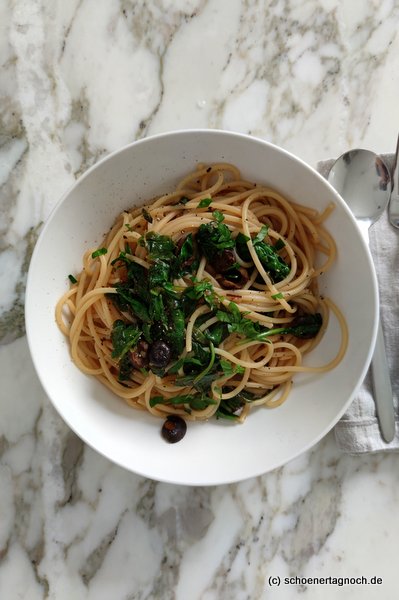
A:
(261, 235)
(204, 203)
(218, 216)
(99, 252)
(72, 279)
(279, 245)
(184, 200)
(147, 215)
(278, 296)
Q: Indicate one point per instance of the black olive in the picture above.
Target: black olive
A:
(174, 429)
(159, 354)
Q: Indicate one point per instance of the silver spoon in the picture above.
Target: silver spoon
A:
(363, 180)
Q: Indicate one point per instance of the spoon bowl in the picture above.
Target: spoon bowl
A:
(363, 180)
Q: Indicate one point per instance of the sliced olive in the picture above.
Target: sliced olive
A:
(159, 354)
(223, 260)
(139, 357)
(174, 429)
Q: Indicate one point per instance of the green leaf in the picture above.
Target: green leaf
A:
(216, 333)
(157, 310)
(99, 252)
(305, 326)
(158, 246)
(238, 323)
(125, 368)
(218, 216)
(230, 368)
(72, 279)
(185, 260)
(176, 334)
(204, 203)
(194, 401)
(276, 267)
(198, 290)
(213, 238)
(126, 300)
(278, 296)
(158, 274)
(231, 408)
(261, 235)
(146, 215)
(273, 264)
(279, 245)
(124, 336)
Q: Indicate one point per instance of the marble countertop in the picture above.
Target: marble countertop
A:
(80, 79)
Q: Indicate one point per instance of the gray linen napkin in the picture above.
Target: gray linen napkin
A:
(358, 430)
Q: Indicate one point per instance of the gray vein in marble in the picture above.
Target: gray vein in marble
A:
(94, 561)
(72, 456)
(271, 64)
(12, 320)
(316, 515)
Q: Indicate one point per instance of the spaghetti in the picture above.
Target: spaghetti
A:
(205, 301)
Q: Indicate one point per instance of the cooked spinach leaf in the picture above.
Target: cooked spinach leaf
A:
(158, 246)
(238, 323)
(124, 337)
(126, 299)
(213, 238)
(231, 408)
(274, 265)
(194, 401)
(305, 326)
(158, 275)
(185, 260)
(230, 368)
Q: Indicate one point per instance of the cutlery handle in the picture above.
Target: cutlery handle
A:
(382, 388)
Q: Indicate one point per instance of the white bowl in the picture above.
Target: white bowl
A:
(212, 452)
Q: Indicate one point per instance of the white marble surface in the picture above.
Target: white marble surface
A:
(79, 79)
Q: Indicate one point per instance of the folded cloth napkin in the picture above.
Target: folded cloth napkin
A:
(358, 430)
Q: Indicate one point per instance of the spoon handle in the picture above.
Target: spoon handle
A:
(382, 388)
